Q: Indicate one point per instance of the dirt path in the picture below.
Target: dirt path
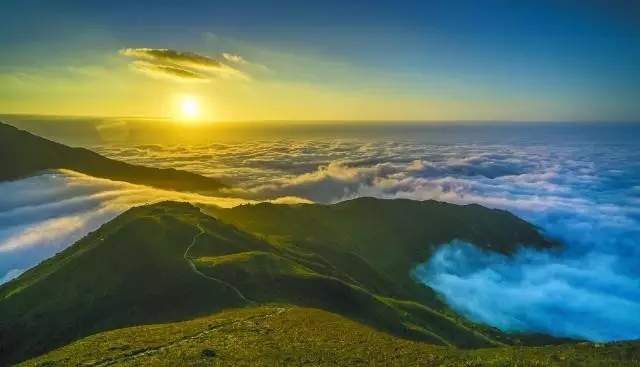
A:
(199, 273)
(145, 352)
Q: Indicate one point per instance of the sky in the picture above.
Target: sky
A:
(324, 60)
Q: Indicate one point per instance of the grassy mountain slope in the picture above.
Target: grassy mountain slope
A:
(269, 336)
(129, 272)
(23, 154)
(171, 262)
(391, 236)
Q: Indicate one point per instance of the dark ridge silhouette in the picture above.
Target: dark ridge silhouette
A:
(23, 154)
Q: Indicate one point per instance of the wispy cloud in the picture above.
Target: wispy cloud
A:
(182, 66)
(169, 72)
(12, 274)
(163, 55)
(235, 58)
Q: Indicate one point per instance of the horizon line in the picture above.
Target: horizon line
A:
(302, 121)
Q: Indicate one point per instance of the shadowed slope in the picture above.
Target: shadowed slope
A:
(23, 154)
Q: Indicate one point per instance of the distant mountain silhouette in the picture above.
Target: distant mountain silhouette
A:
(23, 154)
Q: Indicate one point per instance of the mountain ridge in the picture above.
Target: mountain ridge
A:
(23, 154)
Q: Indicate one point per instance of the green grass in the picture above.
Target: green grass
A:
(253, 263)
(170, 262)
(292, 336)
(268, 278)
(130, 272)
(380, 241)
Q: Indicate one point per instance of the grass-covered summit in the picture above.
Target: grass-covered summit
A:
(23, 154)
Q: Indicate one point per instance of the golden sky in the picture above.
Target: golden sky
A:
(313, 62)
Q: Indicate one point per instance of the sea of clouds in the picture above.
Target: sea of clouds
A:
(586, 194)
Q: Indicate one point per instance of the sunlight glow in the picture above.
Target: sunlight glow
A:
(190, 108)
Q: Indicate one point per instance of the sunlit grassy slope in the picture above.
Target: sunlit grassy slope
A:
(23, 154)
(170, 262)
(270, 336)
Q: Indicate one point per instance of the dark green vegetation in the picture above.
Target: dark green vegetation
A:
(23, 154)
(304, 337)
(170, 262)
(388, 236)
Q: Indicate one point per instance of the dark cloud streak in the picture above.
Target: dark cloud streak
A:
(186, 59)
(182, 66)
(171, 72)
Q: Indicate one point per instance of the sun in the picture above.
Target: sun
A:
(190, 108)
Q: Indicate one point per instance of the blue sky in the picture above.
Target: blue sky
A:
(406, 60)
